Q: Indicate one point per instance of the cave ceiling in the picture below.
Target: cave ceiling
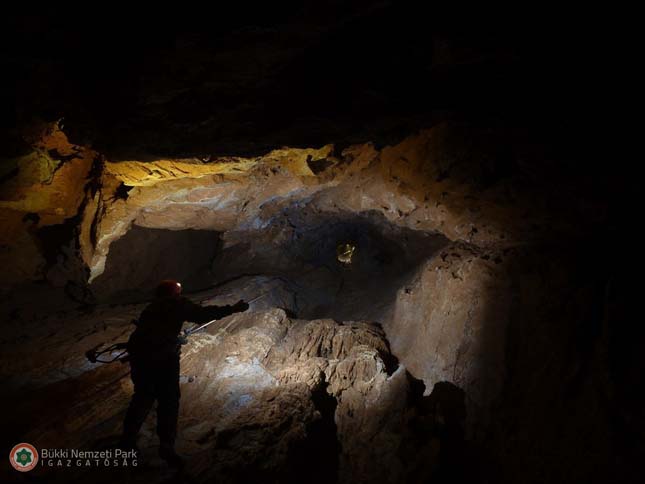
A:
(221, 121)
(244, 80)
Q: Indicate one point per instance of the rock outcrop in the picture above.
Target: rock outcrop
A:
(312, 373)
(450, 324)
(264, 397)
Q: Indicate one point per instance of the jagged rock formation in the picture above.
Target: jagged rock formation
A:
(263, 396)
(294, 362)
(428, 182)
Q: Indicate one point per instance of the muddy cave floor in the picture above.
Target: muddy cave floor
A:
(264, 393)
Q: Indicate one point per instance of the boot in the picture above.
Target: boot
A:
(128, 444)
(171, 457)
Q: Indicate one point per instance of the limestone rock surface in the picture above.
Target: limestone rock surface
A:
(264, 396)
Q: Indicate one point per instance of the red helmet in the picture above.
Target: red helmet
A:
(168, 289)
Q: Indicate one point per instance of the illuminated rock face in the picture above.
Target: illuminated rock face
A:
(263, 396)
(41, 190)
(463, 297)
(438, 180)
(244, 380)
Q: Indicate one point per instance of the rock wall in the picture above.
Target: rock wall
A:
(439, 180)
(450, 324)
(42, 197)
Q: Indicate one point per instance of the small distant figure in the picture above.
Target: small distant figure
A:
(154, 349)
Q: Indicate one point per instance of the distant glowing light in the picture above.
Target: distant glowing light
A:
(345, 252)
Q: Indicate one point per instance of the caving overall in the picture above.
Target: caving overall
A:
(154, 349)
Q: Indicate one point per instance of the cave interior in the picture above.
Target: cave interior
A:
(409, 202)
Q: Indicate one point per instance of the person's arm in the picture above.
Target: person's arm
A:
(219, 312)
(202, 314)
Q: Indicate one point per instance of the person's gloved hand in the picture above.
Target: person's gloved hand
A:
(240, 306)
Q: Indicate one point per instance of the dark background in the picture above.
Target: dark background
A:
(245, 78)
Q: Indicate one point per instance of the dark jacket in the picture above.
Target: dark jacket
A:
(158, 328)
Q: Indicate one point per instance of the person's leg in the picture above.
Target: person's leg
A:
(168, 411)
(139, 407)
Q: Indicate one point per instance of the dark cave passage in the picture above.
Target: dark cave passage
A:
(143, 257)
(302, 251)
(296, 255)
